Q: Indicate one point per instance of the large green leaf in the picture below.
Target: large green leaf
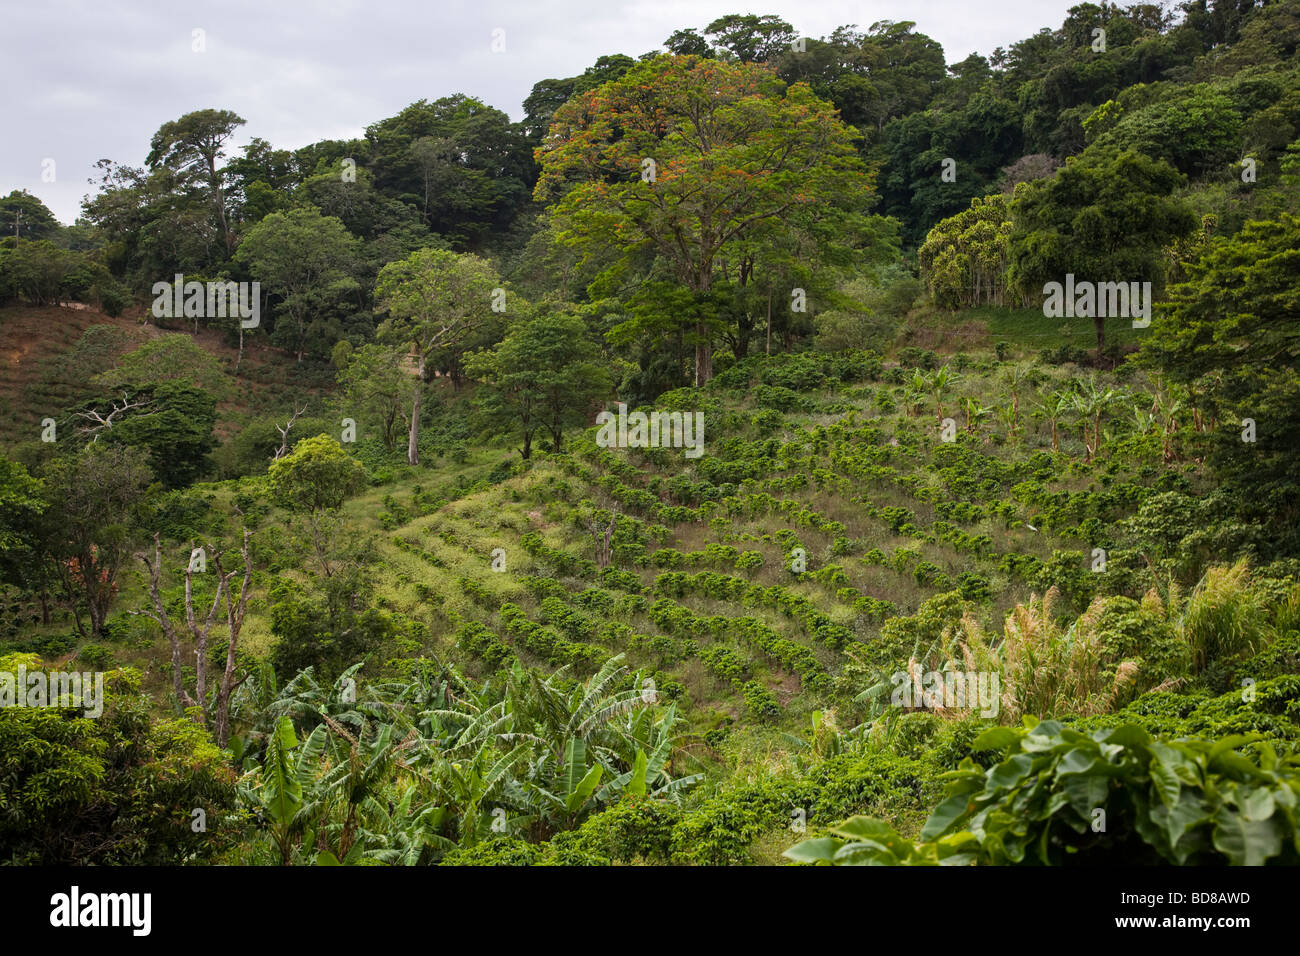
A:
(821, 850)
(1246, 842)
(281, 790)
(951, 809)
(586, 787)
(636, 786)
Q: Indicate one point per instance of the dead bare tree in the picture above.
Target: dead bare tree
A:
(199, 632)
(284, 434)
(602, 533)
(99, 421)
(235, 610)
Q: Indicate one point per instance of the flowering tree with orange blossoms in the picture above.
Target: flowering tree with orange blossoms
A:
(695, 159)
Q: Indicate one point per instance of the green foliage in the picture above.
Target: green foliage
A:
(1197, 130)
(693, 213)
(1060, 797)
(760, 703)
(1229, 339)
(964, 258)
(329, 627)
(1265, 707)
(318, 475)
(721, 829)
(307, 261)
(175, 429)
(540, 377)
(497, 851)
(116, 789)
(1105, 217)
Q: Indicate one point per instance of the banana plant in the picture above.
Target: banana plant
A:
(366, 765)
(570, 784)
(975, 413)
(656, 736)
(465, 787)
(940, 381)
(1016, 376)
(1092, 401)
(916, 391)
(1054, 407)
(287, 779)
(408, 833)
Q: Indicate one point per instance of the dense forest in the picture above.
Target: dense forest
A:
(769, 450)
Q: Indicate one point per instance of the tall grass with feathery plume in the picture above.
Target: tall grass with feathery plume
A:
(1224, 616)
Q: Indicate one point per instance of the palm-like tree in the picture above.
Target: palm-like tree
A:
(916, 391)
(1016, 376)
(940, 381)
(1054, 407)
(1092, 401)
(1168, 408)
(975, 413)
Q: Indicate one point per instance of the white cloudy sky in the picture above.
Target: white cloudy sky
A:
(87, 80)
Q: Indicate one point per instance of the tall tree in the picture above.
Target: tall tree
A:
(964, 258)
(309, 261)
(435, 301)
(193, 145)
(376, 386)
(22, 503)
(1105, 217)
(96, 494)
(750, 38)
(200, 627)
(688, 157)
(482, 161)
(1229, 335)
(542, 376)
(23, 216)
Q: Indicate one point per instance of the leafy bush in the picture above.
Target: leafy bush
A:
(761, 703)
(635, 828)
(495, 851)
(1117, 796)
(721, 829)
(117, 789)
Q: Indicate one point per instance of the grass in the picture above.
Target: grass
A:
(1028, 331)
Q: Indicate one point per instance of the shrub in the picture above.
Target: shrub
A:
(495, 851)
(636, 828)
(318, 474)
(761, 703)
(1223, 618)
(1185, 802)
(117, 789)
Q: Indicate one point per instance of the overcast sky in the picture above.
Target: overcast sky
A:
(90, 80)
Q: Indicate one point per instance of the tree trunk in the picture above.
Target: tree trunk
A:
(390, 430)
(160, 615)
(768, 349)
(219, 198)
(744, 325)
(234, 618)
(235, 622)
(413, 439)
(703, 356)
(704, 344)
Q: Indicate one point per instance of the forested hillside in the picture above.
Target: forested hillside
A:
(771, 449)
